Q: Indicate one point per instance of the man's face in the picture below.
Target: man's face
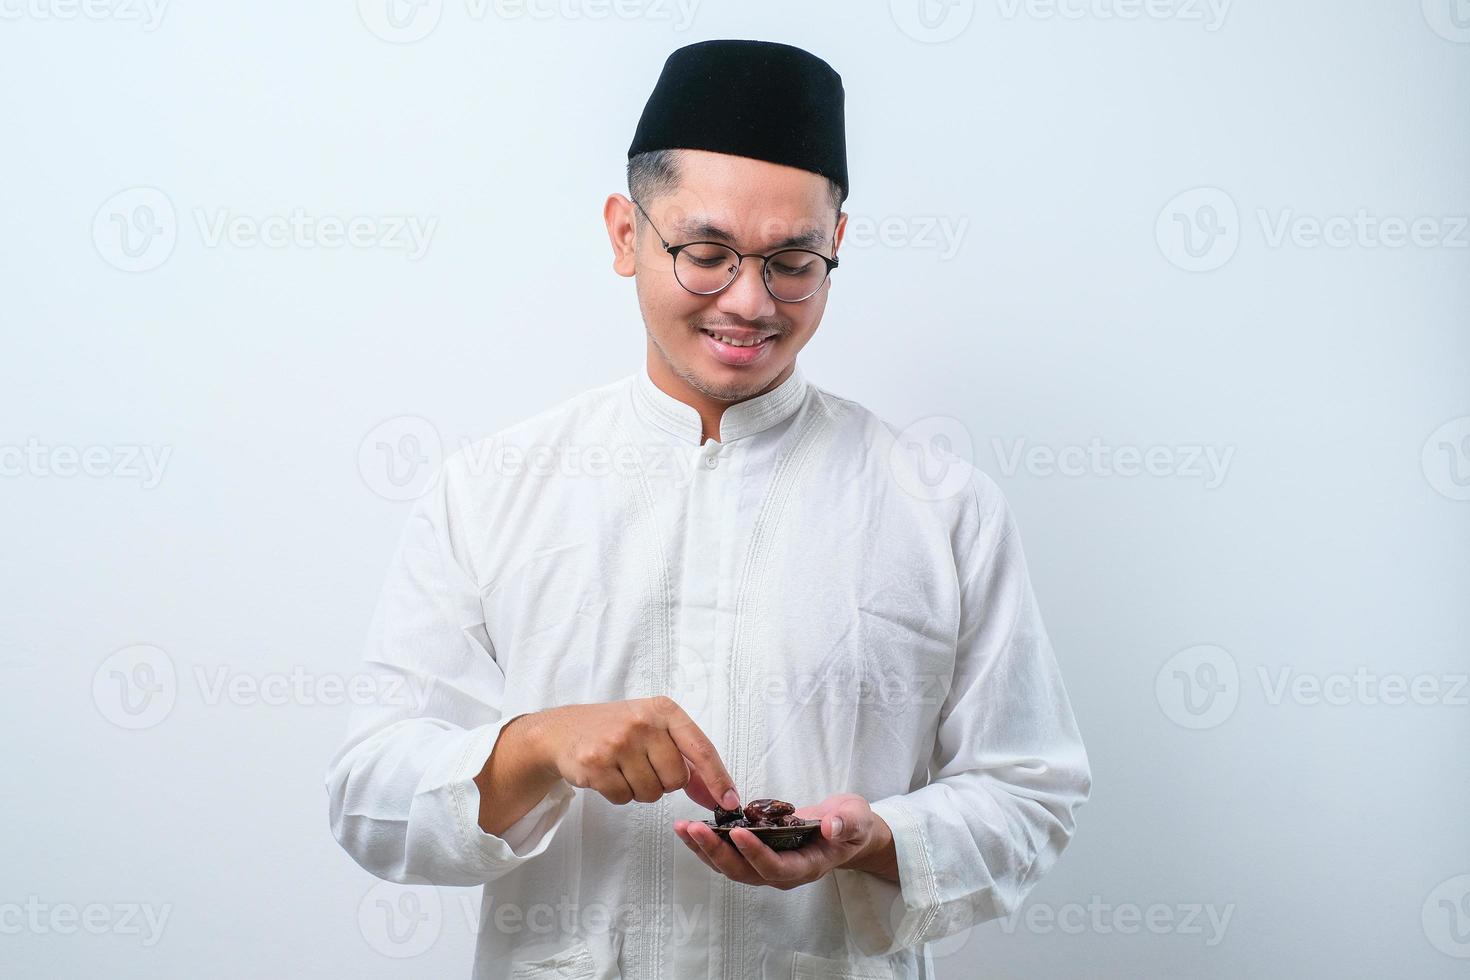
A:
(754, 207)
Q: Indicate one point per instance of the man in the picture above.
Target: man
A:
(714, 577)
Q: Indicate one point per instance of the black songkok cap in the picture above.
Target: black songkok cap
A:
(754, 99)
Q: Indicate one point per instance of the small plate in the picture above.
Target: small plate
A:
(777, 838)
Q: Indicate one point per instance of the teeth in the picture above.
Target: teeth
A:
(736, 343)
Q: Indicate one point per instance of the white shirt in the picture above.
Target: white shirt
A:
(832, 623)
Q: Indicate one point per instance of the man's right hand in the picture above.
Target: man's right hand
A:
(633, 750)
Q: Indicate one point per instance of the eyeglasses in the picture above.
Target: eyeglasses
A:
(704, 268)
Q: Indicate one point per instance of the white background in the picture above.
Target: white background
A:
(1064, 309)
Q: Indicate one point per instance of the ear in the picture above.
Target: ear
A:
(841, 230)
(622, 231)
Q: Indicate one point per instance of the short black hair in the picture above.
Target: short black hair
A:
(657, 172)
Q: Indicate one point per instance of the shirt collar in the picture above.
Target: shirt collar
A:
(736, 422)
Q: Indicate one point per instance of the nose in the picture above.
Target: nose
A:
(747, 297)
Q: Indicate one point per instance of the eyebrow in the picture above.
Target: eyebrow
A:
(703, 230)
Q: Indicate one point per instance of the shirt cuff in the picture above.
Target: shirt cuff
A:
(884, 917)
(529, 836)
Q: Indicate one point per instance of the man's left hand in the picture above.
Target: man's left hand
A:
(852, 836)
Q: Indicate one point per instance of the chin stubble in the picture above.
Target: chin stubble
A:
(724, 393)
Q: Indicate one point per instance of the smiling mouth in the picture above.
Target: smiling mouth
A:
(735, 342)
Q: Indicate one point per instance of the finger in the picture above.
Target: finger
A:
(700, 752)
(716, 849)
(848, 823)
(683, 832)
(697, 790)
(726, 859)
(694, 846)
(773, 865)
(842, 819)
(612, 785)
(668, 765)
(642, 779)
(834, 828)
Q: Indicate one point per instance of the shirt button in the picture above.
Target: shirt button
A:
(710, 461)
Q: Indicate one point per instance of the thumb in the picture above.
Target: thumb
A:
(840, 827)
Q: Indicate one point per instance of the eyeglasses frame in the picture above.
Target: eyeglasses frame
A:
(740, 258)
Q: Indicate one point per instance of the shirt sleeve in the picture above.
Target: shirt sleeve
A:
(401, 791)
(1008, 772)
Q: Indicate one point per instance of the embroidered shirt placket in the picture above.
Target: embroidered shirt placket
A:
(738, 957)
(645, 956)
